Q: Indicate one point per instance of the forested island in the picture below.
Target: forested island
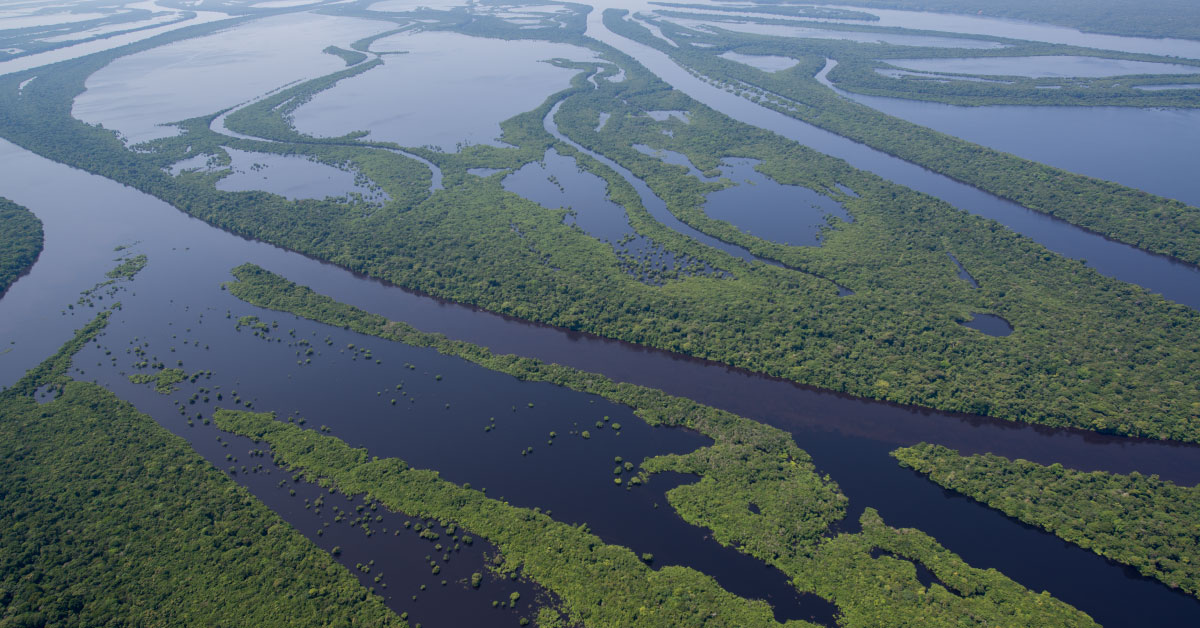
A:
(106, 517)
(20, 242)
(1142, 521)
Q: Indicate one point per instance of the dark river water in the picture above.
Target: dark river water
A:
(475, 426)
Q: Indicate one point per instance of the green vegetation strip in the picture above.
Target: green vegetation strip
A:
(351, 57)
(599, 584)
(20, 242)
(858, 63)
(107, 519)
(164, 381)
(128, 268)
(1146, 221)
(1143, 521)
(793, 498)
(1149, 18)
(749, 465)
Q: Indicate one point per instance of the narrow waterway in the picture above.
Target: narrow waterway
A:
(653, 204)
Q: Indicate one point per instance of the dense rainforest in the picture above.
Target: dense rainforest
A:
(1088, 351)
(1142, 521)
(107, 519)
(20, 242)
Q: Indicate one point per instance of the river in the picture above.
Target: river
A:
(177, 307)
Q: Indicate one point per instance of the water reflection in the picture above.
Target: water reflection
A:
(296, 177)
(559, 182)
(865, 37)
(1176, 281)
(1154, 150)
(429, 96)
(137, 94)
(1030, 31)
(989, 324)
(787, 214)
(674, 158)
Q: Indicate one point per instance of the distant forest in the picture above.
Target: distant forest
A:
(1144, 18)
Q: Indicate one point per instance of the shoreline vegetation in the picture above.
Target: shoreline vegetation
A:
(1142, 521)
(1156, 224)
(756, 490)
(21, 241)
(107, 517)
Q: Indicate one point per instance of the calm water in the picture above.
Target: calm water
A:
(559, 182)
(446, 111)
(21, 64)
(942, 78)
(766, 63)
(787, 214)
(865, 37)
(1155, 150)
(177, 311)
(295, 177)
(756, 204)
(1045, 66)
(138, 93)
(989, 324)
(962, 272)
(1159, 88)
(398, 559)
(1016, 29)
(674, 158)
(176, 304)
(653, 204)
(670, 114)
(218, 126)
